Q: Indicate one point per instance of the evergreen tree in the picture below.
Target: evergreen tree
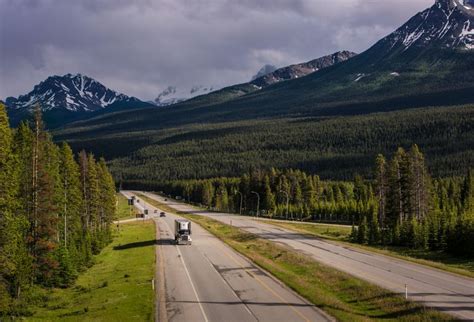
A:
(71, 206)
(269, 203)
(15, 262)
(381, 188)
(395, 200)
(207, 193)
(43, 233)
(467, 192)
(93, 204)
(107, 201)
(362, 232)
(374, 229)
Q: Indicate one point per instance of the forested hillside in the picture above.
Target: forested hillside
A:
(401, 91)
(401, 206)
(55, 212)
(335, 148)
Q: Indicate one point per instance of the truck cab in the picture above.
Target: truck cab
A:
(182, 231)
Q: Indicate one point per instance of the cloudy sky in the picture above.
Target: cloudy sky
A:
(139, 47)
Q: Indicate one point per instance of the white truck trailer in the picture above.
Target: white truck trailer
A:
(182, 231)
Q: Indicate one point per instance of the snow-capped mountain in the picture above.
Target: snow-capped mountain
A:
(73, 93)
(267, 69)
(173, 95)
(303, 69)
(448, 24)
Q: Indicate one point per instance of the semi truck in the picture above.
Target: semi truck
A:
(182, 231)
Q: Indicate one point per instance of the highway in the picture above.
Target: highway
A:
(208, 281)
(447, 292)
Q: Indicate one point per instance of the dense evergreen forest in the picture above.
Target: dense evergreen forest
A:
(332, 122)
(334, 148)
(55, 212)
(401, 206)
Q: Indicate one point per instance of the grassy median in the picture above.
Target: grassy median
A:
(117, 288)
(344, 297)
(340, 233)
(436, 259)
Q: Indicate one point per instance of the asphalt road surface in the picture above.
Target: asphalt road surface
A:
(208, 281)
(447, 292)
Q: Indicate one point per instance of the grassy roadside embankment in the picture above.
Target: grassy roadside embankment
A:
(117, 288)
(435, 259)
(339, 294)
(123, 209)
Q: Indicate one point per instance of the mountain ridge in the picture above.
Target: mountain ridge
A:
(68, 97)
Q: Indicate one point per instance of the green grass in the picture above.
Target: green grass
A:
(326, 231)
(344, 297)
(123, 209)
(435, 259)
(117, 288)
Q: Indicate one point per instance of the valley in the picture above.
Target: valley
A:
(336, 184)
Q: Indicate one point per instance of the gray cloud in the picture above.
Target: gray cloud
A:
(139, 47)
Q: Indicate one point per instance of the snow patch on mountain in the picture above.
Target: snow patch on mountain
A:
(75, 93)
(447, 24)
(173, 94)
(265, 70)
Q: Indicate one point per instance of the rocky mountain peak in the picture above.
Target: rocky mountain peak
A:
(448, 24)
(71, 92)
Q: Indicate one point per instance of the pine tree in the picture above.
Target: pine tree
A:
(269, 203)
(467, 192)
(207, 193)
(107, 203)
(15, 262)
(395, 201)
(381, 188)
(71, 205)
(93, 204)
(421, 200)
(43, 233)
(362, 233)
(374, 229)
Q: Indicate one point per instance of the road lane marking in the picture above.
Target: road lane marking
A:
(186, 271)
(225, 251)
(189, 277)
(265, 285)
(231, 289)
(161, 312)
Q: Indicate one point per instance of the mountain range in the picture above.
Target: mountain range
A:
(69, 97)
(330, 117)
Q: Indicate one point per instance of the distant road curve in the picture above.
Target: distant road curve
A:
(447, 292)
(210, 282)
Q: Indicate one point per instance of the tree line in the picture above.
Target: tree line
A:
(55, 212)
(400, 205)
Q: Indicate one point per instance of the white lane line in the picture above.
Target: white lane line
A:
(230, 287)
(192, 284)
(189, 277)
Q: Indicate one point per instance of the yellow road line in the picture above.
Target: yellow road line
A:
(265, 285)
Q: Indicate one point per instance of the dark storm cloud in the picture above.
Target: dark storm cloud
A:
(138, 47)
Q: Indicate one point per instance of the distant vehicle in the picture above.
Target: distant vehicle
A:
(166, 199)
(156, 211)
(162, 214)
(182, 231)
